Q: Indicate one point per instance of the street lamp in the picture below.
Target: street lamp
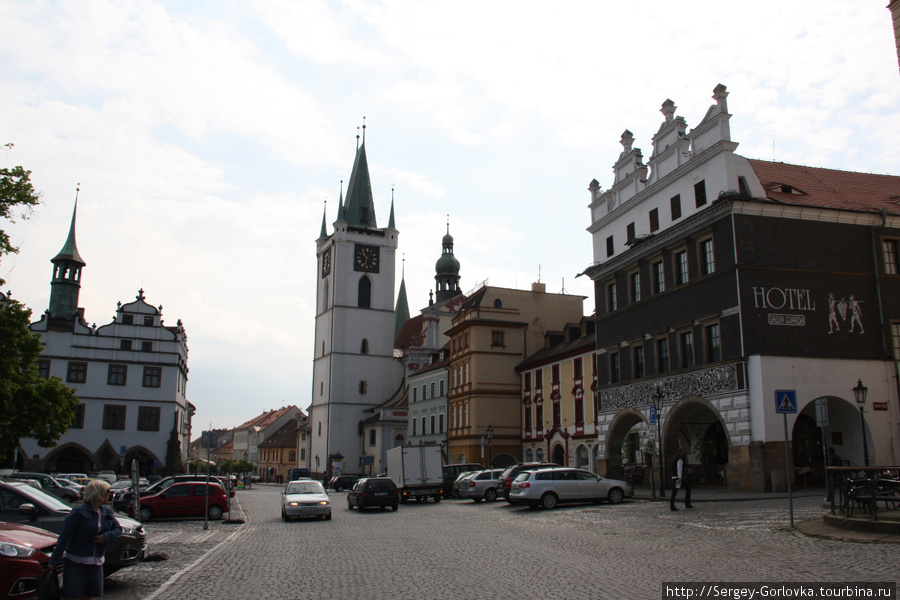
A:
(860, 392)
(658, 399)
(490, 437)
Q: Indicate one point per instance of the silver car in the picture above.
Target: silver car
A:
(548, 487)
(305, 498)
(481, 486)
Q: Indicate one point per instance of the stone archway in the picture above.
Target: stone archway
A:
(623, 443)
(695, 425)
(843, 433)
(559, 455)
(501, 461)
(147, 461)
(69, 458)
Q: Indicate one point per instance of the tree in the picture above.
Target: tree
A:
(30, 406)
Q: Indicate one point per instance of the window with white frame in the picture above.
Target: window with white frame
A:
(707, 257)
(890, 257)
(659, 277)
(634, 279)
(681, 267)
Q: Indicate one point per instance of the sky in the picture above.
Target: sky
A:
(208, 139)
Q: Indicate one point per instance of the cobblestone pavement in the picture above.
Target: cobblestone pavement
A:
(459, 549)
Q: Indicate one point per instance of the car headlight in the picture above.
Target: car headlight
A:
(15, 550)
(127, 530)
(293, 504)
(324, 502)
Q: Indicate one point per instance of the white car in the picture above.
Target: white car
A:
(305, 498)
(549, 487)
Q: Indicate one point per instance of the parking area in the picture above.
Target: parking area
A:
(463, 549)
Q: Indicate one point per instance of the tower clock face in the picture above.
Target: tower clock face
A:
(365, 258)
(326, 263)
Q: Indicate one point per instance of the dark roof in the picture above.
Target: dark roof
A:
(828, 188)
(573, 347)
(411, 334)
(286, 437)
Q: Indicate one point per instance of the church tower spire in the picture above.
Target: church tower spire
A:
(359, 206)
(447, 270)
(65, 286)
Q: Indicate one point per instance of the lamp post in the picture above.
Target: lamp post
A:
(860, 392)
(658, 399)
(490, 437)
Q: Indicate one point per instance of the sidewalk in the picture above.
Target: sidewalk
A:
(860, 528)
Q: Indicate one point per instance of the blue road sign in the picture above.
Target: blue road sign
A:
(653, 415)
(785, 402)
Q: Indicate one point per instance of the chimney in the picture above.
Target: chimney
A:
(538, 287)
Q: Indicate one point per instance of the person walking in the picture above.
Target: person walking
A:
(80, 547)
(680, 481)
(833, 460)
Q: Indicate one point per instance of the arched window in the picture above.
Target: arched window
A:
(325, 295)
(363, 387)
(498, 303)
(364, 296)
(364, 347)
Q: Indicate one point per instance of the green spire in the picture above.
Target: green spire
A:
(324, 233)
(359, 209)
(70, 250)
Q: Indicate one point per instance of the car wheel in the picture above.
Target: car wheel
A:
(146, 514)
(328, 517)
(349, 504)
(437, 498)
(490, 495)
(284, 517)
(214, 512)
(477, 499)
(395, 506)
(616, 495)
(549, 500)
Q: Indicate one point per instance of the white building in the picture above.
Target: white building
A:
(130, 376)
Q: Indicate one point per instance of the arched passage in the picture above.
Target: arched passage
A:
(695, 424)
(69, 458)
(843, 432)
(501, 461)
(623, 444)
(559, 455)
(146, 460)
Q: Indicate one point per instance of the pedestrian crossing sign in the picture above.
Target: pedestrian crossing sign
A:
(785, 401)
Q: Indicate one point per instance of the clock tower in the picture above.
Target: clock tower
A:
(354, 368)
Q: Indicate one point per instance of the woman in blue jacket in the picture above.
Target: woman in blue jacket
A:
(82, 543)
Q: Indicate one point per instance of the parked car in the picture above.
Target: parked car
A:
(462, 480)
(184, 499)
(48, 484)
(374, 491)
(108, 476)
(24, 554)
(482, 485)
(121, 499)
(342, 482)
(76, 487)
(306, 498)
(506, 479)
(548, 487)
(21, 503)
(452, 472)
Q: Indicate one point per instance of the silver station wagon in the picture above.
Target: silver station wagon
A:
(549, 487)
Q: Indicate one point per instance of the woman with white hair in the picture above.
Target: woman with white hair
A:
(82, 543)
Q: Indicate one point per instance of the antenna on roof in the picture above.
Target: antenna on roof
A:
(357, 138)
(563, 291)
(539, 273)
(448, 222)
(403, 268)
(77, 189)
(364, 130)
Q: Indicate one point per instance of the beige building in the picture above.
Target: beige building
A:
(495, 330)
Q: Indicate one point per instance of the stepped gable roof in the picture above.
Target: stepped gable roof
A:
(828, 188)
(286, 437)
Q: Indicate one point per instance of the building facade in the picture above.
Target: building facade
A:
(130, 376)
(721, 280)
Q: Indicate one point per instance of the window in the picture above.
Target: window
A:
(364, 347)
(554, 374)
(707, 257)
(364, 293)
(579, 408)
(302, 454)
(497, 338)
(890, 257)
(743, 187)
(432, 424)
(152, 376)
(528, 419)
(415, 394)
(654, 220)
(116, 375)
(415, 423)
(292, 456)
(113, 416)
(611, 300)
(713, 344)
(372, 437)
(442, 387)
(629, 233)
(895, 331)
(538, 379)
(614, 367)
(423, 425)
(638, 362)
(441, 423)
(424, 392)
(432, 389)
(635, 280)
(609, 246)
(77, 372)
(43, 369)
(675, 203)
(579, 372)
(148, 321)
(681, 267)
(662, 355)
(700, 193)
(363, 387)
(557, 416)
(687, 350)
(659, 277)
(124, 344)
(78, 422)
(539, 417)
(128, 319)
(148, 418)
(146, 346)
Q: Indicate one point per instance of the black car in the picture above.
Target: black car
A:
(506, 479)
(22, 503)
(374, 491)
(121, 499)
(342, 482)
(48, 484)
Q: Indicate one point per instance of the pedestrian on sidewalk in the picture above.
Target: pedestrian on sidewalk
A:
(680, 480)
(832, 476)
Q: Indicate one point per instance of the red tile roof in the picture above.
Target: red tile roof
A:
(828, 188)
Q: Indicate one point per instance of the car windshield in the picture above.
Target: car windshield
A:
(43, 498)
(305, 487)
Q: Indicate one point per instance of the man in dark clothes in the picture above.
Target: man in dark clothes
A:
(680, 480)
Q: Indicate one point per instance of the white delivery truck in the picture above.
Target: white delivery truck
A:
(417, 471)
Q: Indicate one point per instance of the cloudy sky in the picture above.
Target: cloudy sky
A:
(207, 138)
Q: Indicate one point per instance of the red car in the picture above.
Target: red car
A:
(24, 554)
(186, 499)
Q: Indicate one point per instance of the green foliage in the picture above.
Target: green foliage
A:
(16, 192)
(30, 406)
